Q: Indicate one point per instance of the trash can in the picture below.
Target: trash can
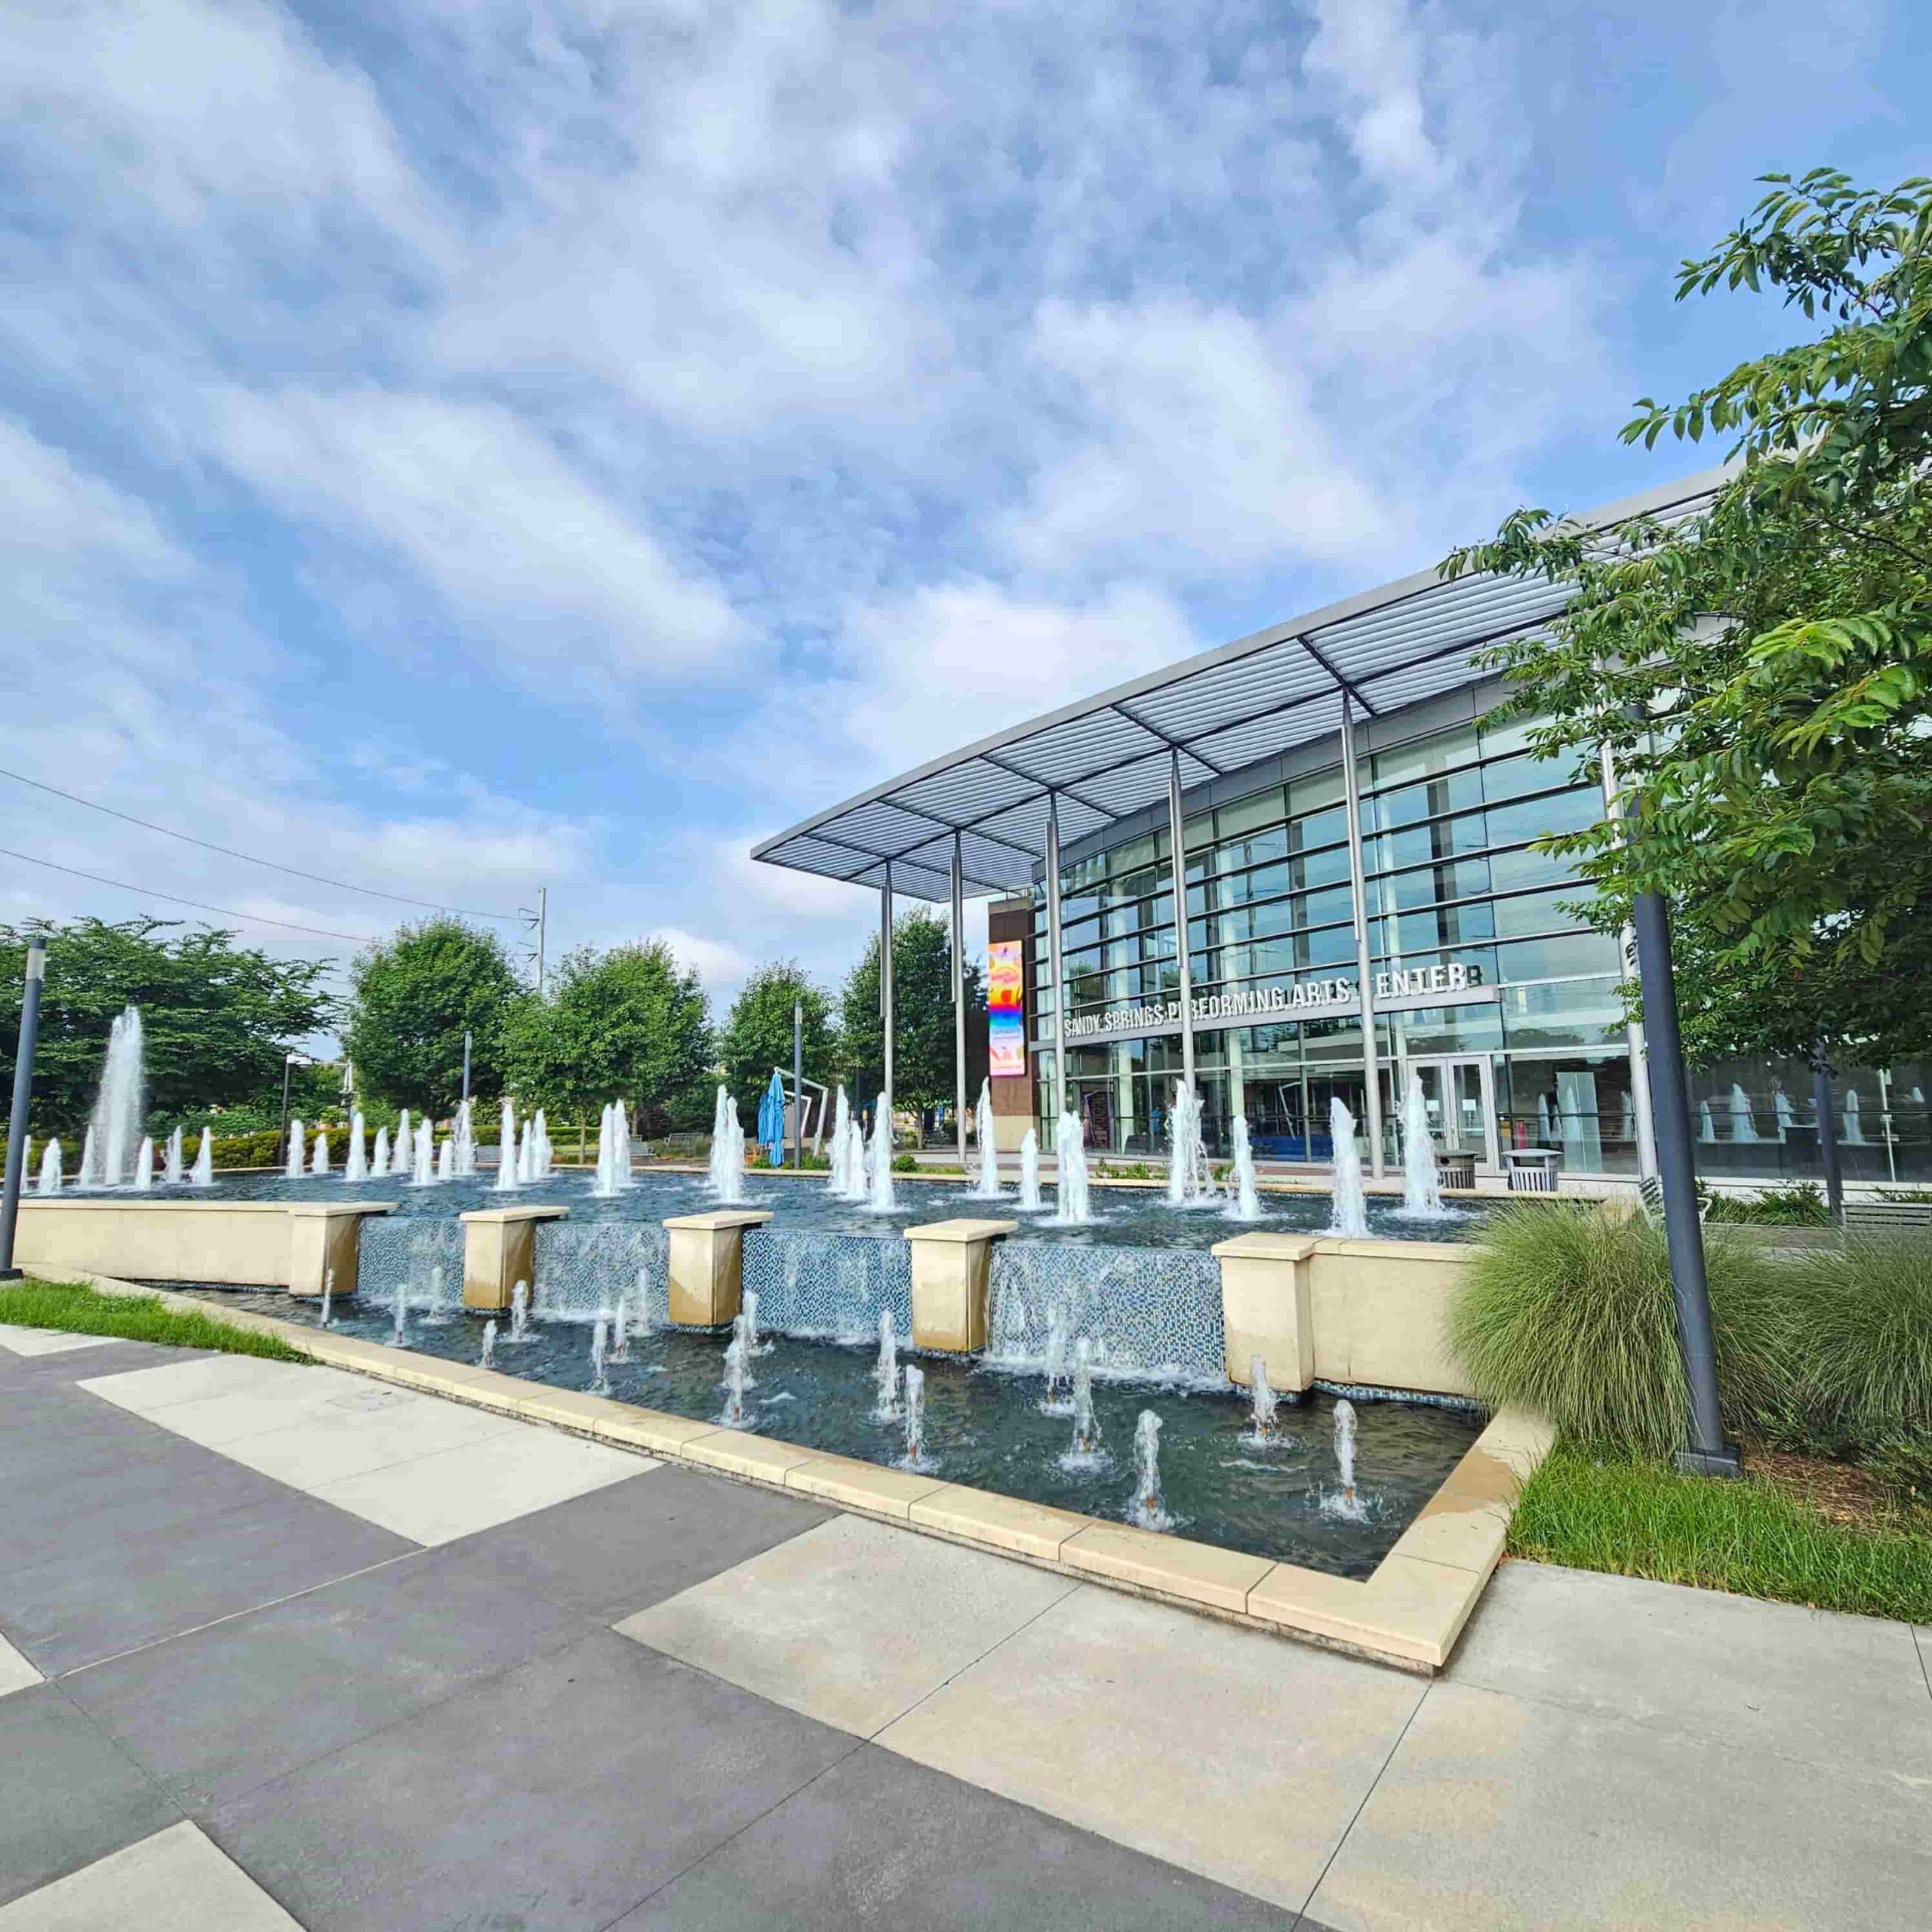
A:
(1534, 1170)
(1457, 1170)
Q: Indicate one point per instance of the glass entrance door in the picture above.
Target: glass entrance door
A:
(1462, 1112)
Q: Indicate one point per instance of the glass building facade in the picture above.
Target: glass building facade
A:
(1531, 1052)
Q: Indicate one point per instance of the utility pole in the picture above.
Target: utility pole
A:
(538, 923)
(16, 1126)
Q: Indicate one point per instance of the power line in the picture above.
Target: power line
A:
(175, 898)
(274, 865)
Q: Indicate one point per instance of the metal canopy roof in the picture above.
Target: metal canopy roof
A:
(1106, 757)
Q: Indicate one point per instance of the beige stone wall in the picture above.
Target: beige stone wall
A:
(1379, 1310)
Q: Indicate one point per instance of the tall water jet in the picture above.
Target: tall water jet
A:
(733, 1416)
(1348, 1215)
(1743, 1126)
(1086, 1454)
(422, 1166)
(600, 1345)
(885, 1374)
(298, 1152)
(753, 1346)
(726, 1174)
(1246, 1205)
(318, 1161)
(1054, 1402)
(1707, 1128)
(915, 1457)
(1346, 1504)
(843, 1183)
(1189, 1183)
(171, 1172)
(122, 1105)
(446, 1160)
(433, 1316)
(506, 1150)
(144, 1164)
(1854, 1128)
(328, 1317)
(488, 1359)
(356, 1162)
(466, 1141)
(1029, 1172)
(400, 1333)
(1263, 1429)
(1147, 1511)
(1073, 1206)
(879, 1159)
(90, 1173)
(1422, 1183)
(49, 1181)
(402, 1149)
(378, 1159)
(988, 1188)
(204, 1173)
(621, 1329)
(520, 1312)
(613, 1153)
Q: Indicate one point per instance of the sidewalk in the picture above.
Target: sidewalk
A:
(319, 1651)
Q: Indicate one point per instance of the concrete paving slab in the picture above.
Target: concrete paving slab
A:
(435, 1499)
(559, 1794)
(1230, 1753)
(1831, 1690)
(175, 1882)
(852, 1622)
(332, 1444)
(147, 1390)
(877, 1844)
(68, 1795)
(1923, 1636)
(1498, 1812)
(227, 1420)
(46, 1341)
(623, 1548)
(16, 1673)
(219, 1711)
(115, 1590)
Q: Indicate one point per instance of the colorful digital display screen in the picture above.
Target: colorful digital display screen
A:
(1006, 1008)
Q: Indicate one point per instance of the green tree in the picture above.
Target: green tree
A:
(1761, 671)
(218, 1018)
(626, 1025)
(414, 998)
(922, 1038)
(757, 1036)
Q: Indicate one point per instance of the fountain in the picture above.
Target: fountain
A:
(916, 1458)
(89, 1174)
(298, 1149)
(400, 1334)
(1262, 1429)
(204, 1173)
(1422, 1185)
(726, 1175)
(753, 1346)
(843, 1183)
(1781, 1106)
(879, 1159)
(402, 1149)
(1189, 1184)
(600, 1344)
(488, 1359)
(506, 1150)
(423, 1165)
(1743, 1126)
(466, 1143)
(122, 1105)
(1073, 1208)
(50, 1169)
(620, 1330)
(355, 1162)
(733, 1416)
(1086, 1457)
(171, 1167)
(319, 1160)
(539, 1168)
(1147, 1511)
(144, 1164)
(446, 1160)
(1056, 1402)
(607, 1185)
(1346, 1506)
(1349, 1216)
(379, 1161)
(328, 1297)
(433, 1316)
(1246, 1205)
(520, 1312)
(1706, 1127)
(1854, 1128)
(988, 1188)
(885, 1376)
(1029, 1172)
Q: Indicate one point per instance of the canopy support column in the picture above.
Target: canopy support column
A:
(885, 987)
(959, 1001)
(1055, 964)
(1178, 851)
(1371, 1070)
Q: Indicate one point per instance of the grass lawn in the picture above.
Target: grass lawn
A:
(80, 1310)
(1638, 1518)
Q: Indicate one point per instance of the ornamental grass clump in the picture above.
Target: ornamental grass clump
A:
(1567, 1312)
(1863, 1318)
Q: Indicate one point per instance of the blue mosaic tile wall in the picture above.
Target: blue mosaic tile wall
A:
(403, 1249)
(825, 1284)
(583, 1266)
(1148, 1311)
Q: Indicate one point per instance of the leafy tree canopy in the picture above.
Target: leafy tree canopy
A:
(218, 1018)
(414, 998)
(1761, 671)
(626, 1025)
(922, 1024)
(757, 1037)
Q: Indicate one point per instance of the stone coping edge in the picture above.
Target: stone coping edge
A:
(536, 1212)
(114, 1204)
(1409, 1613)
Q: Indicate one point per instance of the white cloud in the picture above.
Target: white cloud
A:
(722, 966)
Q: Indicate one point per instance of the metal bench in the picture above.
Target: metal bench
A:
(1888, 1217)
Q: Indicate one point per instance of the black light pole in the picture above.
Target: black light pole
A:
(1828, 1135)
(1707, 1452)
(17, 1125)
(465, 1066)
(798, 1082)
(281, 1136)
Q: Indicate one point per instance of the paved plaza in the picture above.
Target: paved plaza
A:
(284, 1646)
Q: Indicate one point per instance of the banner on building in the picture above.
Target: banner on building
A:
(1006, 1008)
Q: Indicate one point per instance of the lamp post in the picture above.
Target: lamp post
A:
(797, 1084)
(16, 1126)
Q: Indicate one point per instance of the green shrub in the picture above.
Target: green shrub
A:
(1800, 1205)
(1569, 1313)
(1862, 1313)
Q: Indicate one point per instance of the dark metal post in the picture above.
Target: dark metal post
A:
(281, 1135)
(1707, 1454)
(465, 1065)
(17, 1125)
(798, 1083)
(1828, 1136)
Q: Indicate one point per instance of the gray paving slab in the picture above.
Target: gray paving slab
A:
(1830, 1689)
(215, 1713)
(68, 1794)
(130, 1584)
(1498, 1814)
(878, 1842)
(112, 1357)
(559, 1795)
(620, 1549)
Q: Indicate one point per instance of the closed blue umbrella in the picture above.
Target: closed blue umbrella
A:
(771, 1121)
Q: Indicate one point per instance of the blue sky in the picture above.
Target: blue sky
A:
(459, 446)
